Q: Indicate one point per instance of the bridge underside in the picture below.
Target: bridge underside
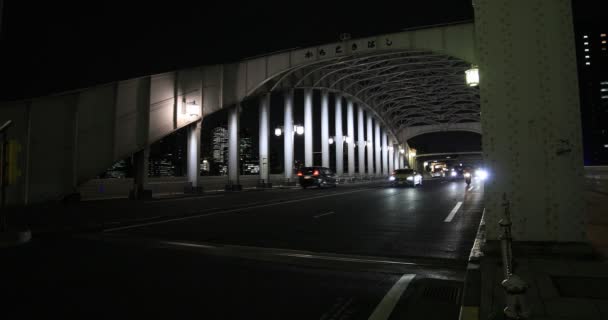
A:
(406, 88)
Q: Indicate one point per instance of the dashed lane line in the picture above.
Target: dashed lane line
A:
(323, 214)
(386, 306)
(453, 212)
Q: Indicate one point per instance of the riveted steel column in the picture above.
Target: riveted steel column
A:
(369, 145)
(384, 154)
(325, 129)
(530, 118)
(264, 138)
(377, 148)
(350, 122)
(360, 141)
(339, 140)
(308, 138)
(233, 147)
(288, 136)
(194, 154)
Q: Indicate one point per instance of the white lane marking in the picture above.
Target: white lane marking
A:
(234, 250)
(453, 212)
(237, 209)
(155, 222)
(476, 188)
(323, 214)
(470, 188)
(192, 198)
(386, 306)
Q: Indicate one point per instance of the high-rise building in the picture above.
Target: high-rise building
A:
(220, 144)
(592, 55)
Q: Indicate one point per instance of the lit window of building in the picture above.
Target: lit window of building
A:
(604, 89)
(603, 41)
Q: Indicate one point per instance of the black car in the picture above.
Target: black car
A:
(316, 176)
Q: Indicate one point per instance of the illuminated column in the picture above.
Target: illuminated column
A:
(384, 154)
(350, 127)
(339, 140)
(194, 153)
(233, 148)
(308, 139)
(370, 146)
(360, 141)
(325, 129)
(391, 157)
(288, 136)
(377, 148)
(532, 141)
(264, 136)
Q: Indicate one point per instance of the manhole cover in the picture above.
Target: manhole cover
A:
(445, 294)
(582, 287)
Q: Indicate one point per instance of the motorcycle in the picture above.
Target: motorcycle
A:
(467, 178)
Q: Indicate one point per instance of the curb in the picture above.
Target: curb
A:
(471, 297)
(14, 238)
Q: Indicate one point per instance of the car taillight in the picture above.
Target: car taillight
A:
(315, 173)
(299, 173)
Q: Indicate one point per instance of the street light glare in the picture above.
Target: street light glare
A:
(472, 76)
(299, 130)
(278, 132)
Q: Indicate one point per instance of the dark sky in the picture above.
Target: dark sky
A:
(50, 46)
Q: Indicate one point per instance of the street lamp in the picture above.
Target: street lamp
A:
(193, 109)
(472, 76)
(331, 140)
(278, 131)
(299, 129)
(401, 150)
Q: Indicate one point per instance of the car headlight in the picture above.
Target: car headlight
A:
(410, 178)
(453, 174)
(482, 174)
(467, 175)
(391, 178)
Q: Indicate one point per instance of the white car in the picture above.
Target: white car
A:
(406, 177)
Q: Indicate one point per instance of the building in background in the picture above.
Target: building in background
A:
(219, 136)
(592, 56)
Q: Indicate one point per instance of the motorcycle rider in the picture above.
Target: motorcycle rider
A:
(467, 175)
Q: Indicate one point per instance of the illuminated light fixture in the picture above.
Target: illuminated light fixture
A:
(401, 150)
(192, 109)
(603, 35)
(585, 37)
(586, 50)
(603, 41)
(330, 140)
(299, 129)
(588, 63)
(606, 146)
(472, 76)
(346, 139)
(586, 57)
(425, 164)
(586, 43)
(278, 132)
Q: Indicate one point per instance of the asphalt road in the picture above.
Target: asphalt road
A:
(358, 252)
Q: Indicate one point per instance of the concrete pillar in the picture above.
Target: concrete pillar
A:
(339, 140)
(140, 181)
(360, 141)
(531, 118)
(194, 156)
(370, 145)
(308, 138)
(377, 148)
(384, 154)
(233, 149)
(325, 129)
(264, 140)
(288, 136)
(350, 127)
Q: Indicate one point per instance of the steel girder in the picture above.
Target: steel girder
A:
(405, 88)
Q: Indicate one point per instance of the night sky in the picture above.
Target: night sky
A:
(53, 46)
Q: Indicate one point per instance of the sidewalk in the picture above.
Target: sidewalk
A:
(565, 281)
